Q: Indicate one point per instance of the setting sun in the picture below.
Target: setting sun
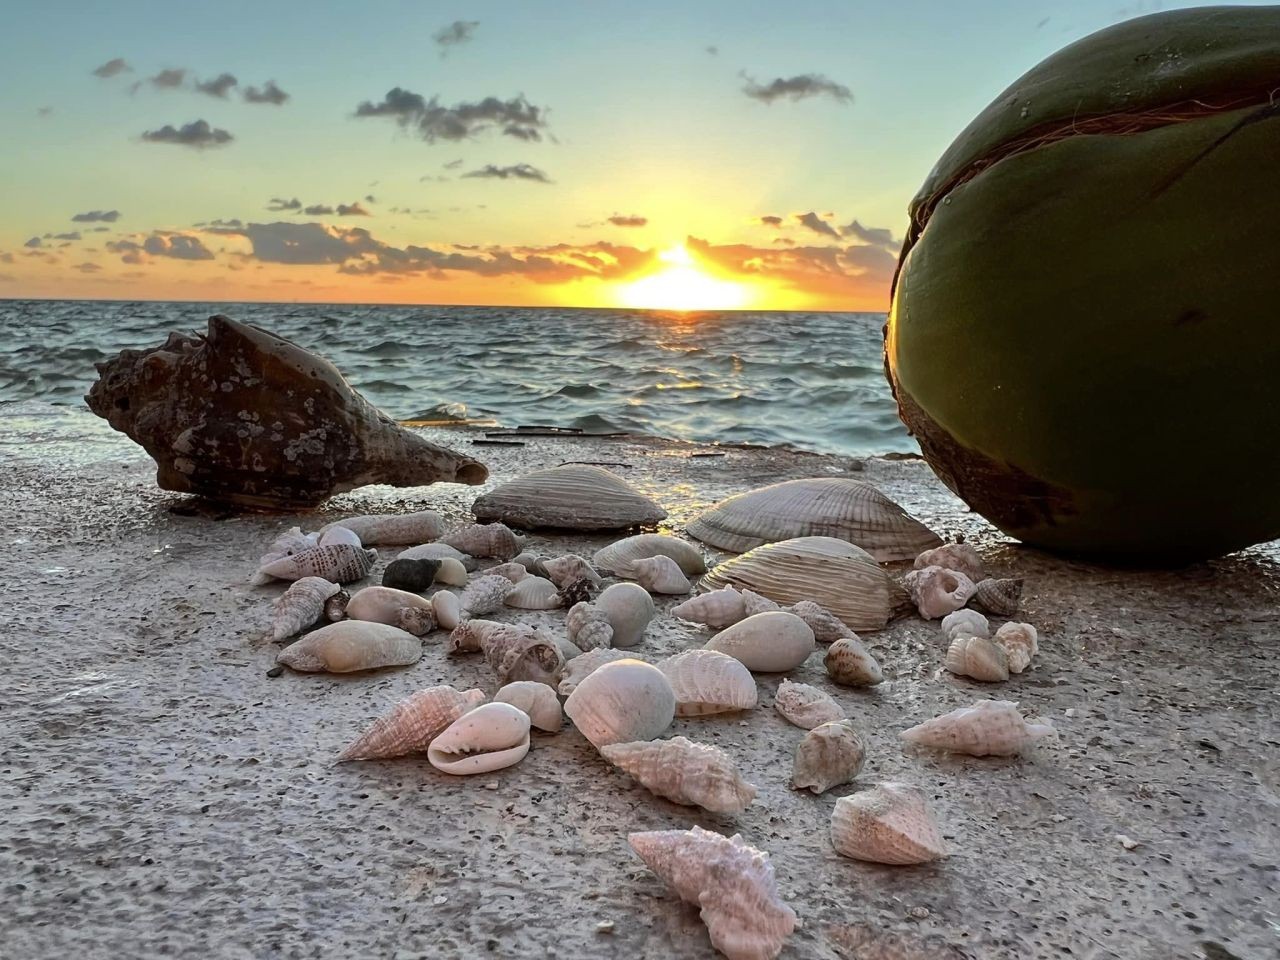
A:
(683, 285)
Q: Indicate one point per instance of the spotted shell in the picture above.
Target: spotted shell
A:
(340, 563)
(850, 664)
(570, 497)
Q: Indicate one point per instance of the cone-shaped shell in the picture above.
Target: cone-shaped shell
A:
(339, 563)
(937, 591)
(771, 642)
(537, 700)
(985, 728)
(850, 510)
(383, 604)
(351, 645)
(375, 529)
(890, 823)
(978, 658)
(679, 770)
(411, 725)
(965, 623)
(998, 597)
(806, 706)
(300, 606)
(533, 593)
(490, 737)
(850, 664)
(660, 575)
(715, 608)
(731, 882)
(242, 416)
(617, 557)
(580, 667)
(830, 754)
(620, 702)
(570, 497)
(833, 573)
(707, 682)
(1020, 642)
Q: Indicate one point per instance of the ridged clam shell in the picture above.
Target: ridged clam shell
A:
(731, 883)
(533, 593)
(684, 772)
(851, 510)
(490, 737)
(937, 591)
(830, 754)
(998, 597)
(510, 570)
(826, 627)
(965, 623)
(771, 642)
(485, 540)
(392, 529)
(985, 728)
(978, 658)
(383, 604)
(806, 706)
(563, 571)
(835, 574)
(890, 823)
(351, 645)
(850, 664)
(960, 557)
(618, 557)
(522, 653)
(660, 575)
(707, 682)
(622, 701)
(411, 725)
(570, 497)
(300, 606)
(440, 551)
(336, 535)
(537, 700)
(340, 563)
(447, 609)
(1020, 642)
(583, 665)
(484, 595)
(715, 608)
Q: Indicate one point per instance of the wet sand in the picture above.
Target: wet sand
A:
(163, 796)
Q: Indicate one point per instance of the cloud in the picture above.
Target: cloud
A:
(268, 93)
(317, 210)
(97, 216)
(713, 50)
(219, 87)
(771, 221)
(453, 164)
(44, 112)
(815, 223)
(516, 117)
(73, 235)
(460, 31)
(197, 134)
(130, 250)
(872, 236)
(87, 267)
(233, 225)
(178, 246)
(519, 171)
(168, 79)
(33, 243)
(112, 67)
(797, 88)
(352, 210)
(618, 220)
(368, 198)
(307, 243)
(279, 203)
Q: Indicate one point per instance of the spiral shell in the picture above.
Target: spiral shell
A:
(300, 606)
(805, 706)
(998, 597)
(624, 608)
(522, 653)
(340, 563)
(830, 754)
(979, 658)
(660, 575)
(335, 608)
(392, 529)
(716, 608)
(965, 623)
(411, 725)
(826, 627)
(488, 738)
(618, 557)
(684, 772)
(484, 595)
(485, 540)
(707, 682)
(1020, 642)
(984, 728)
(512, 571)
(620, 702)
(890, 823)
(351, 645)
(850, 664)
(771, 642)
(563, 571)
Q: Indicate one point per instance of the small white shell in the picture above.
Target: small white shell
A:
(707, 682)
(805, 706)
(979, 658)
(487, 738)
(622, 701)
(533, 593)
(1020, 642)
(583, 665)
(351, 645)
(965, 623)
(679, 770)
(716, 608)
(537, 700)
(660, 575)
(829, 755)
(447, 609)
(626, 608)
(889, 823)
(336, 535)
(771, 642)
(850, 664)
(960, 557)
(619, 556)
(985, 728)
(440, 551)
(300, 606)
(937, 591)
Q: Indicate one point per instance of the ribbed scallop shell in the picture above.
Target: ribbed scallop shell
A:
(622, 701)
(533, 593)
(978, 658)
(392, 529)
(488, 738)
(806, 706)
(771, 642)
(485, 540)
(890, 823)
(383, 604)
(707, 682)
(580, 667)
(851, 510)
(411, 725)
(1020, 642)
(439, 551)
(850, 664)
(937, 591)
(830, 754)
(570, 497)
(715, 608)
(965, 623)
(340, 563)
(684, 772)
(985, 728)
(660, 575)
(300, 606)
(960, 557)
(835, 574)
(537, 700)
(351, 645)
(618, 557)
(998, 597)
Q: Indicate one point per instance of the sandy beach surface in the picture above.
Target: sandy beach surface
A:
(162, 796)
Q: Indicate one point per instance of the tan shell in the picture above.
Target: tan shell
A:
(684, 772)
(890, 823)
(392, 529)
(965, 623)
(805, 706)
(416, 620)
(998, 597)
(411, 725)
(533, 593)
(537, 700)
(340, 563)
(515, 572)
(627, 609)
(937, 591)
(830, 754)
(1020, 642)
(660, 575)
(730, 882)
(978, 658)
(485, 540)
(522, 653)
(835, 574)
(850, 664)
(469, 634)
(618, 557)
(569, 497)
(707, 682)
(582, 666)
(826, 627)
(851, 510)
(985, 728)
(563, 571)
(447, 609)
(484, 595)
(351, 645)
(383, 604)
(753, 603)
(440, 551)
(620, 702)
(488, 738)
(300, 606)
(588, 628)
(960, 557)
(771, 642)
(715, 608)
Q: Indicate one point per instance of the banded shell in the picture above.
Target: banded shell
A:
(336, 535)
(621, 702)
(392, 529)
(351, 645)
(1020, 642)
(488, 738)
(533, 593)
(511, 570)
(806, 706)
(978, 658)
(965, 623)
(850, 664)
(537, 700)
(522, 653)
(411, 725)
(340, 563)
(565, 570)
(851, 510)
(985, 728)
(830, 754)
(484, 595)
(446, 608)
(300, 606)
(826, 627)
(715, 608)
(439, 551)
(569, 497)
(413, 576)
(485, 540)
(890, 823)
(660, 575)
(582, 666)
(618, 557)
(998, 597)
(937, 591)
(383, 604)
(835, 574)
(771, 642)
(707, 682)
(730, 882)
(960, 557)
(290, 542)
(684, 772)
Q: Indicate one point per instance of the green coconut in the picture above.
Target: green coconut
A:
(1085, 330)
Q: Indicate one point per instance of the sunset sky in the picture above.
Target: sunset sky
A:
(723, 154)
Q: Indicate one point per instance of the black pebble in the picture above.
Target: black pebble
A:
(275, 671)
(412, 575)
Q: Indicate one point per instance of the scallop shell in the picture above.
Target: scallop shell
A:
(937, 591)
(890, 823)
(412, 576)
(830, 754)
(1020, 642)
(625, 608)
(411, 725)
(716, 608)
(300, 606)
(979, 658)
(805, 706)
(984, 728)
(660, 575)
(730, 882)
(488, 738)
(537, 700)
(340, 563)
(570, 497)
(771, 642)
(619, 556)
(352, 645)
(826, 627)
(583, 665)
(851, 510)
(383, 604)
(336, 535)
(485, 540)
(842, 578)
(565, 570)
(392, 529)
(707, 682)
(850, 664)
(335, 608)
(440, 551)
(998, 597)
(522, 653)
(620, 702)
(484, 595)
(960, 557)
(965, 623)
(447, 609)
(533, 593)
(684, 772)
(511, 570)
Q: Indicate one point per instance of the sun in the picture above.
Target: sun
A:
(683, 286)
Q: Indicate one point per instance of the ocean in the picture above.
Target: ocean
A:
(813, 381)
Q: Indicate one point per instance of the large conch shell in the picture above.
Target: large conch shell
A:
(985, 728)
(569, 497)
(806, 706)
(376, 529)
(830, 754)
(850, 510)
(490, 737)
(620, 702)
(537, 700)
(731, 882)
(485, 540)
(618, 617)
(618, 557)
(835, 574)
(684, 772)
(960, 557)
(242, 416)
(339, 563)
(351, 645)
(937, 591)
(772, 642)
(890, 823)
(387, 605)
(1020, 642)
(411, 725)
(707, 682)
(580, 667)
(850, 664)
(978, 658)
(660, 575)
(300, 606)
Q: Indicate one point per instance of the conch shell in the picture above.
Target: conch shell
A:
(619, 556)
(960, 557)
(351, 645)
(805, 706)
(1020, 642)
(979, 658)
(340, 563)
(965, 623)
(850, 664)
(537, 700)
(660, 575)
(490, 737)
(715, 608)
(533, 593)
(580, 667)
(684, 772)
(773, 642)
(620, 702)
(889, 823)
(245, 417)
(998, 597)
(412, 724)
(985, 728)
(376, 529)
(300, 606)
(707, 682)
(830, 754)
(570, 497)
(937, 591)
(485, 540)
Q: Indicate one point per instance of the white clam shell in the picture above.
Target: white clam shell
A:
(985, 728)
(805, 706)
(965, 623)
(618, 557)
(383, 604)
(890, 823)
(411, 725)
(679, 770)
(570, 497)
(351, 645)
(583, 665)
(537, 700)
(830, 754)
(334, 535)
(622, 701)
(660, 575)
(937, 591)
(707, 682)
(533, 593)
(772, 642)
(392, 528)
(487, 738)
